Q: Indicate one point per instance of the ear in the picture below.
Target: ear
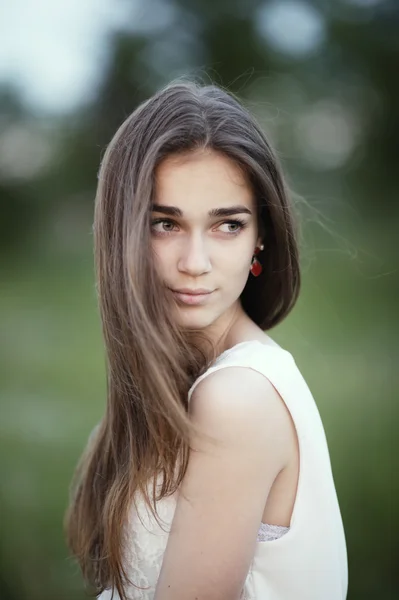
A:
(259, 241)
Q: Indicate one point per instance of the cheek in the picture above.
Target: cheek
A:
(160, 269)
(162, 257)
(234, 275)
(237, 262)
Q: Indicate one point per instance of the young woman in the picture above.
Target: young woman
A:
(209, 476)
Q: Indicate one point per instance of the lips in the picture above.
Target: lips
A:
(197, 292)
(191, 298)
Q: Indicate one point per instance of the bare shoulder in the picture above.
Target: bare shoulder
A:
(241, 404)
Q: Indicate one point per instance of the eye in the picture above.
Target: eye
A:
(235, 223)
(162, 231)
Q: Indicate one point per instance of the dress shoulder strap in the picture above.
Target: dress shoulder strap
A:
(266, 358)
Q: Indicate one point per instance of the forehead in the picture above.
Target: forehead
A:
(201, 180)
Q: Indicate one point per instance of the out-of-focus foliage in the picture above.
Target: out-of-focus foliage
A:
(322, 78)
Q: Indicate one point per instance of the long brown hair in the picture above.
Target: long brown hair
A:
(151, 363)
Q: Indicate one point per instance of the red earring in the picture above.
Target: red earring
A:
(256, 267)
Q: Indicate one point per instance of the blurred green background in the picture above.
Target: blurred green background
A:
(323, 79)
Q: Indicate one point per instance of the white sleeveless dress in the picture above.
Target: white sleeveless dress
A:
(308, 560)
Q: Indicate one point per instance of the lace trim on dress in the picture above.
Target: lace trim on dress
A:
(268, 533)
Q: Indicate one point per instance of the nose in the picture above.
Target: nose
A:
(194, 257)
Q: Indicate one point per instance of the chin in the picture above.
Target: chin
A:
(191, 321)
(194, 323)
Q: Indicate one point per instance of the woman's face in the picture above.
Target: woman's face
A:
(194, 248)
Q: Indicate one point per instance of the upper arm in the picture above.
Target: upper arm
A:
(223, 493)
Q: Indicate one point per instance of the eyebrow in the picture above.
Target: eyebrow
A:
(173, 211)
